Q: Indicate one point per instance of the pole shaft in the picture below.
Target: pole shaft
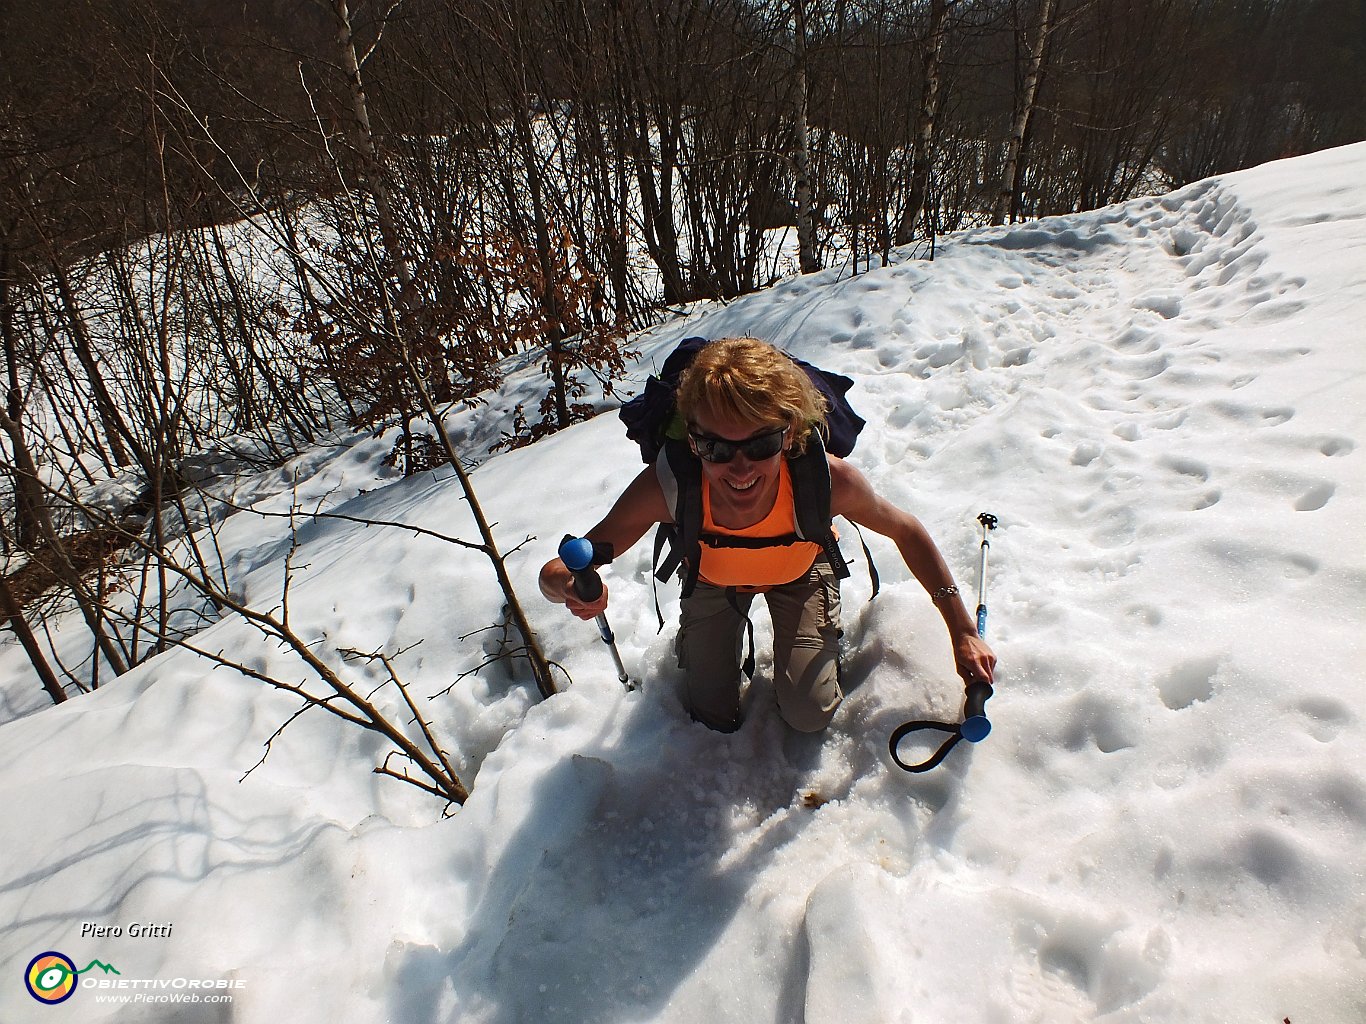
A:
(982, 574)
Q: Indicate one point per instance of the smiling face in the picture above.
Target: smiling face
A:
(744, 489)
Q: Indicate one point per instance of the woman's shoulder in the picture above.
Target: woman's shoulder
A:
(849, 488)
(842, 472)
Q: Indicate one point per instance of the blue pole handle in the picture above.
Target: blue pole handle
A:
(580, 555)
(976, 727)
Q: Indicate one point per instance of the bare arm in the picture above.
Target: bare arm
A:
(852, 496)
(640, 506)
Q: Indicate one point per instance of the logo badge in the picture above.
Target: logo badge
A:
(51, 977)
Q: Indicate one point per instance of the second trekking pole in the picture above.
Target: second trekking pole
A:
(582, 557)
(975, 726)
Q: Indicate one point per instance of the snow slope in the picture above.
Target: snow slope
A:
(1163, 403)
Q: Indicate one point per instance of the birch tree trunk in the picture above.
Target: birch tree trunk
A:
(930, 103)
(363, 138)
(806, 214)
(1013, 169)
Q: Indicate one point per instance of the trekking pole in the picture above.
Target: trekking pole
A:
(975, 725)
(988, 522)
(581, 557)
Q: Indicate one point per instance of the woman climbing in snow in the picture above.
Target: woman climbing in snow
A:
(752, 417)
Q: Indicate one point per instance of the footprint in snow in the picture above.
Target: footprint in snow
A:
(1189, 683)
(1075, 967)
(889, 356)
(942, 354)
(1138, 338)
(1086, 453)
(1325, 717)
(1166, 306)
(1187, 467)
(1334, 446)
(1315, 498)
(1251, 415)
(1267, 310)
(1100, 724)
(1148, 615)
(1299, 567)
(901, 416)
(1208, 499)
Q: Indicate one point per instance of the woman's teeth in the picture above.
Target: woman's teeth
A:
(745, 486)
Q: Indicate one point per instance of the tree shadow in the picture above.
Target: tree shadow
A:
(17, 703)
(117, 851)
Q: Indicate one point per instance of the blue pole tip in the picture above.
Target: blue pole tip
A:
(975, 729)
(577, 553)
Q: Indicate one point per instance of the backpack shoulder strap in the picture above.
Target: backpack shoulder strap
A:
(810, 472)
(811, 495)
(680, 478)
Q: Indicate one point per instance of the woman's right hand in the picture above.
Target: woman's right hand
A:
(584, 609)
(557, 584)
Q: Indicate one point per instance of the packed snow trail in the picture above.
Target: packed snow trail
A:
(1156, 321)
(1163, 403)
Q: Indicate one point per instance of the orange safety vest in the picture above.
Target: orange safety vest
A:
(761, 567)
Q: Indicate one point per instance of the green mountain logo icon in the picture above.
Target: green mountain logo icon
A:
(106, 968)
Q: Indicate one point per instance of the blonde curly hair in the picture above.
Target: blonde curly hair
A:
(750, 380)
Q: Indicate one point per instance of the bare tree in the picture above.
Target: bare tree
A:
(417, 379)
(808, 261)
(927, 115)
(1033, 65)
(12, 615)
(29, 501)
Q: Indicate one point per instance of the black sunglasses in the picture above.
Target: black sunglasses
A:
(756, 449)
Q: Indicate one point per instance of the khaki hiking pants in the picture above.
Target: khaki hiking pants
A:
(806, 632)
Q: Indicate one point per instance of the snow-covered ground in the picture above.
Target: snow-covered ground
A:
(1164, 402)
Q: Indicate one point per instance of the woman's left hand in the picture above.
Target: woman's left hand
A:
(974, 659)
